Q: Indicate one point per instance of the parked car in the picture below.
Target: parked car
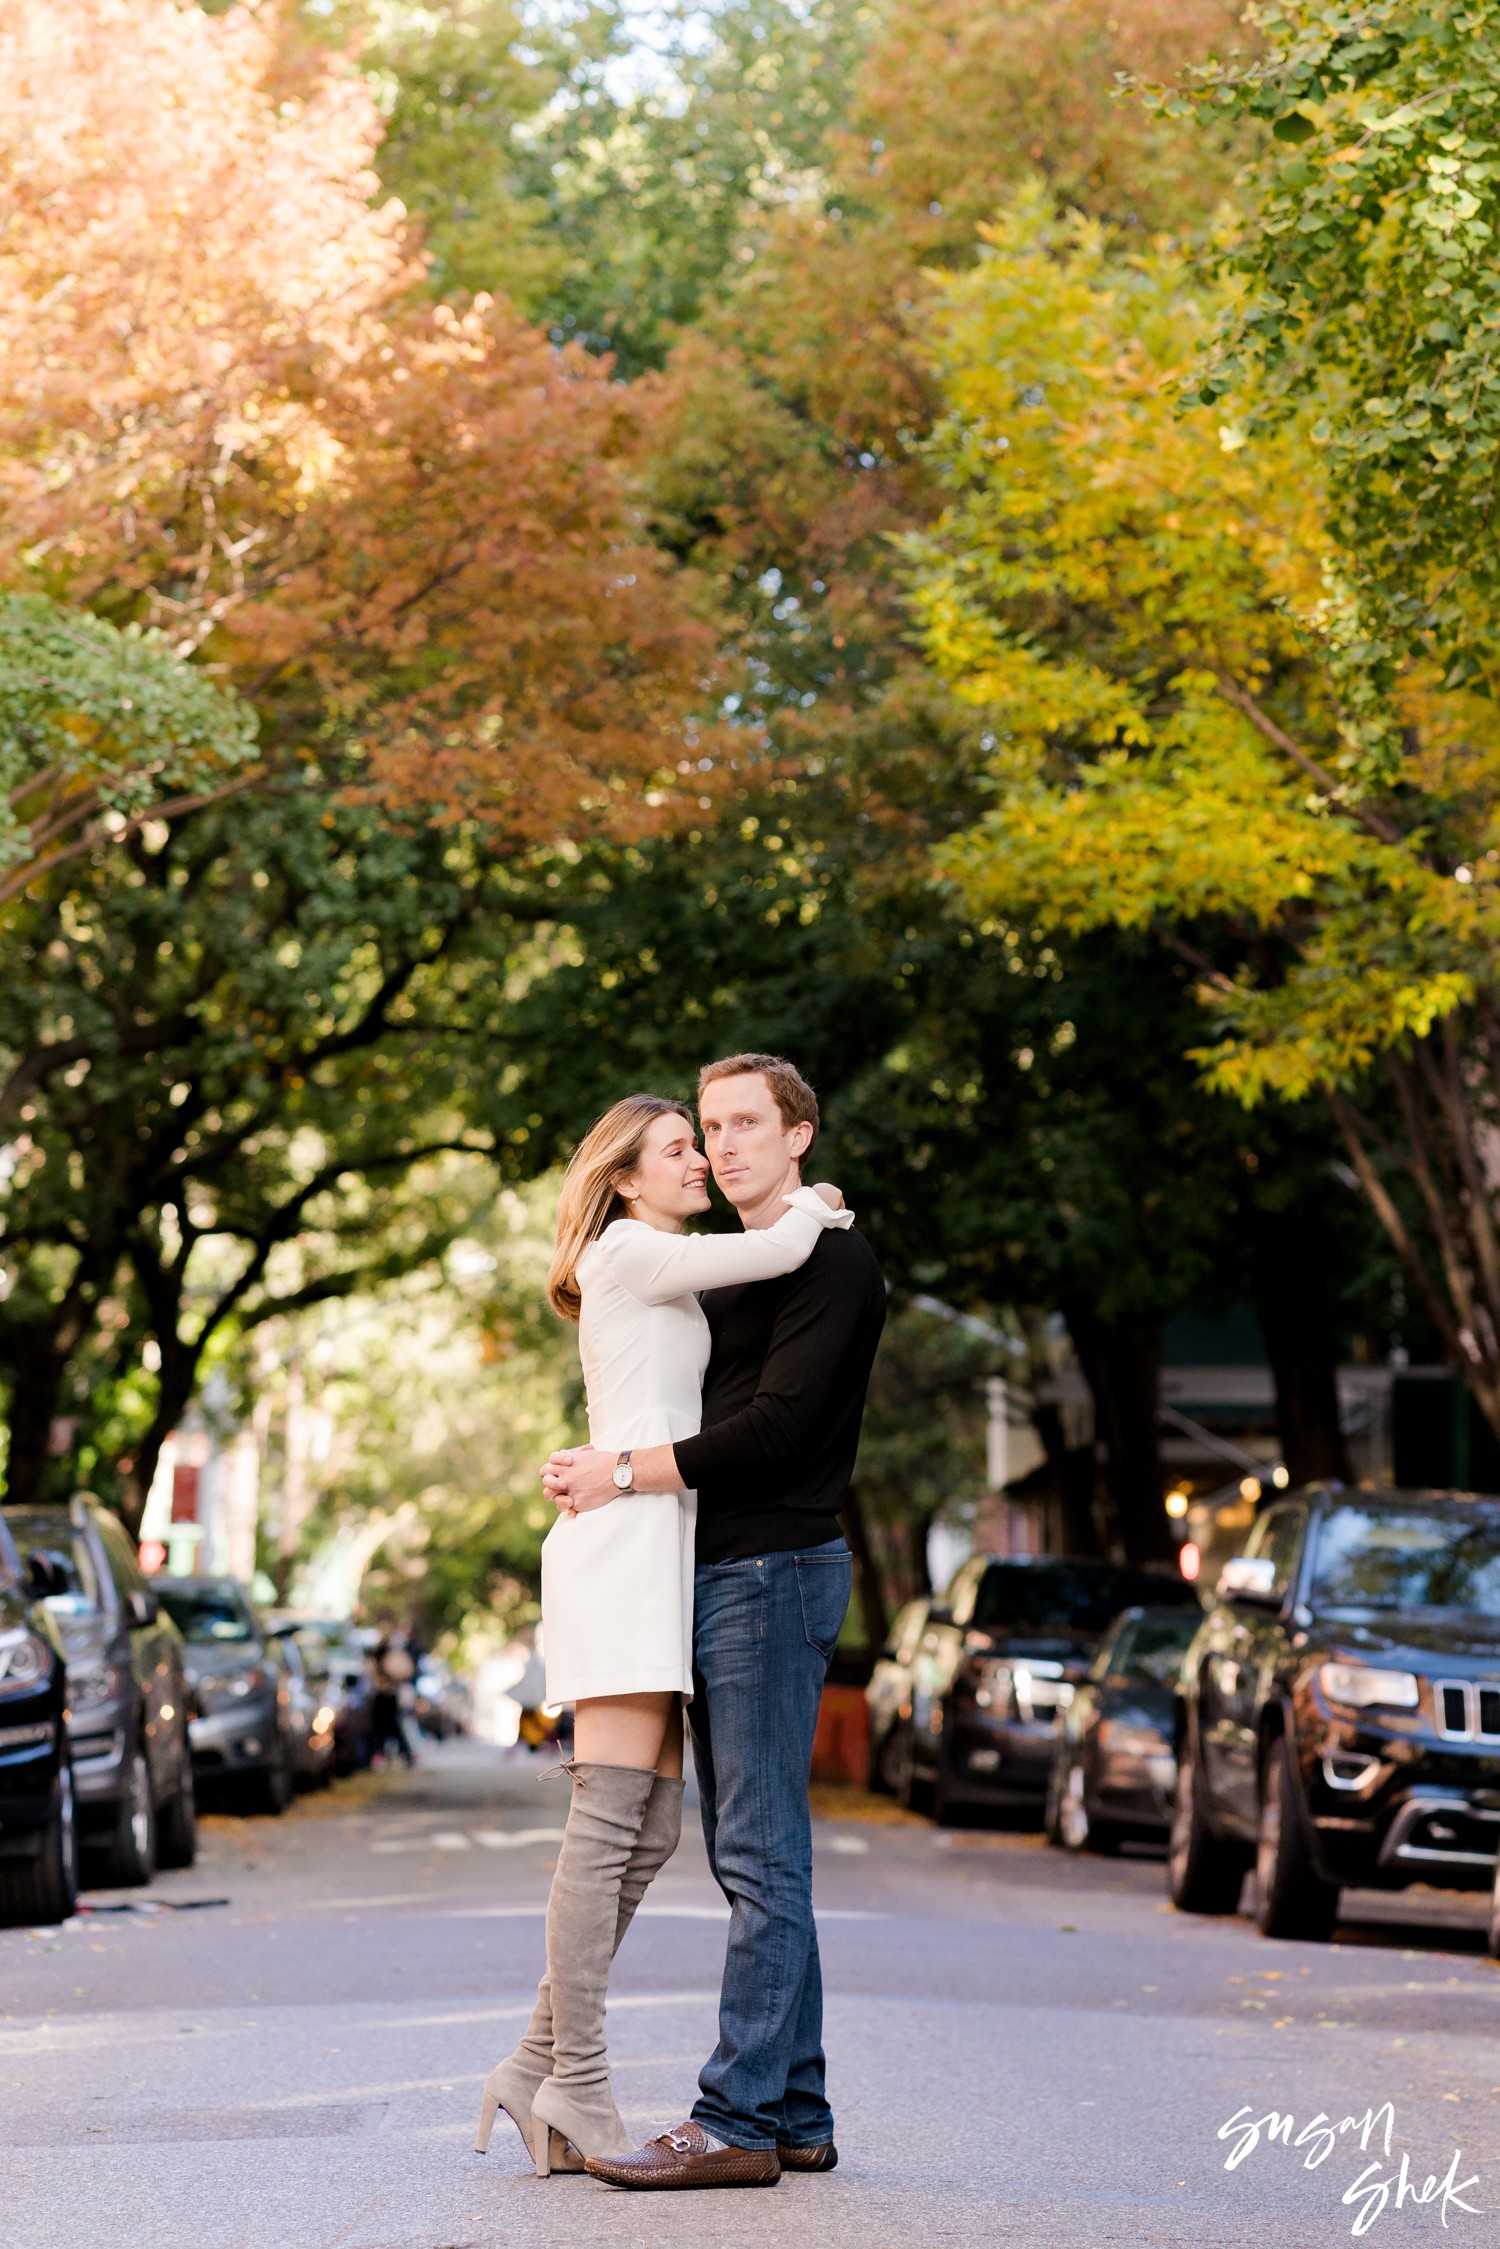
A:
(1114, 1775)
(993, 1667)
(127, 1692)
(338, 1649)
(242, 1731)
(310, 1712)
(38, 1836)
(1339, 1719)
(888, 1695)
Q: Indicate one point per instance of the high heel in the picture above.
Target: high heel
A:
(584, 2117)
(555, 2152)
(509, 2087)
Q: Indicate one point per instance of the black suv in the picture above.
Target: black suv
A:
(994, 1667)
(127, 1691)
(1339, 1713)
(38, 1845)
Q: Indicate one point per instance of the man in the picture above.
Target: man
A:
(782, 1404)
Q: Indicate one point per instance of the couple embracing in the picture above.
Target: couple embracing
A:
(696, 1564)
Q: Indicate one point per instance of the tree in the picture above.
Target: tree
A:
(1228, 706)
(232, 1034)
(226, 414)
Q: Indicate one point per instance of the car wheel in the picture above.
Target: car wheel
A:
(947, 1810)
(177, 1822)
(1292, 1900)
(1074, 1828)
(912, 1792)
(1495, 1915)
(271, 1791)
(1205, 1872)
(129, 1857)
(42, 1891)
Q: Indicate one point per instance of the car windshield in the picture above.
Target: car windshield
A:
(1400, 1558)
(1063, 1596)
(1152, 1651)
(66, 1548)
(207, 1612)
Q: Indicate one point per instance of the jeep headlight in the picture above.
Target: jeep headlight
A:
(1360, 1685)
(25, 1661)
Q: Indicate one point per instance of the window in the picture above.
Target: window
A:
(1076, 1596)
(214, 1613)
(1277, 1537)
(1401, 1558)
(51, 1532)
(120, 1555)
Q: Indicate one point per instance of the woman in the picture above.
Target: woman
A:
(617, 1583)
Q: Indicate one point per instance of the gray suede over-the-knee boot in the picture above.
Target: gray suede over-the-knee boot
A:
(513, 2083)
(604, 1823)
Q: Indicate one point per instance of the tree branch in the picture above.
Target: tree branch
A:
(1244, 702)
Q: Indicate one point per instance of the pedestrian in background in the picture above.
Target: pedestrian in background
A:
(392, 1670)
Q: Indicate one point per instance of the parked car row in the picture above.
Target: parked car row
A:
(965, 1701)
(1327, 1715)
(124, 1700)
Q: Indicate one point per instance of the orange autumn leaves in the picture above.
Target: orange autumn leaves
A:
(224, 411)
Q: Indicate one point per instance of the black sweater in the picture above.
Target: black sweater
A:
(782, 1401)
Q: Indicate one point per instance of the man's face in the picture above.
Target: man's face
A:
(748, 1144)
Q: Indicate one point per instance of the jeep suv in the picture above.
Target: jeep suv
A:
(1339, 1709)
(38, 1842)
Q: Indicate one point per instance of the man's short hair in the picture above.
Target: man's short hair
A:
(793, 1095)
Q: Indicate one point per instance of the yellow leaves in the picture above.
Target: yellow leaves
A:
(1146, 605)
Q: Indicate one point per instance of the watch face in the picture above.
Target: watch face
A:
(622, 1478)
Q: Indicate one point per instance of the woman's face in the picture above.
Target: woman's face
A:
(670, 1183)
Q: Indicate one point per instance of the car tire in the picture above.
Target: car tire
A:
(270, 1792)
(127, 1859)
(947, 1809)
(40, 1892)
(1495, 1915)
(912, 1792)
(1205, 1872)
(1292, 1899)
(177, 1822)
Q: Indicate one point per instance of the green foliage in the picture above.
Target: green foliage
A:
(94, 721)
(1367, 298)
(606, 193)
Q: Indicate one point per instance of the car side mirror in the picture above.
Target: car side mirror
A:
(1250, 1578)
(142, 1608)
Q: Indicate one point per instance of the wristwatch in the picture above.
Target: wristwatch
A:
(624, 1474)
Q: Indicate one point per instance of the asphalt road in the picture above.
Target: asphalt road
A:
(1024, 2048)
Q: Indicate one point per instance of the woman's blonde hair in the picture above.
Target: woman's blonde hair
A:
(590, 1200)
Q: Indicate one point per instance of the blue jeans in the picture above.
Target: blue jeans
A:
(763, 1632)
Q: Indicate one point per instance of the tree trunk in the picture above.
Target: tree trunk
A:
(36, 1371)
(866, 1570)
(1290, 1258)
(1072, 1469)
(1121, 1361)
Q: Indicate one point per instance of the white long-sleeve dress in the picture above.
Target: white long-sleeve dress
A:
(617, 1581)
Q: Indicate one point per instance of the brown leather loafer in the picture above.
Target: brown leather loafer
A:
(684, 2159)
(822, 2157)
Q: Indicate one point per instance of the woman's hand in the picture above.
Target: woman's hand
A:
(575, 1483)
(830, 1195)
